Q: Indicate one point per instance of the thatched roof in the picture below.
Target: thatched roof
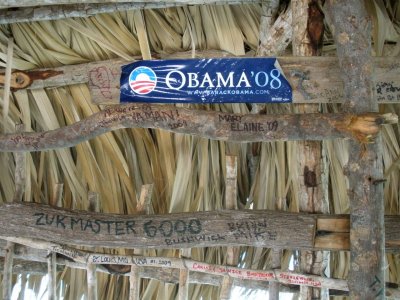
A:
(187, 172)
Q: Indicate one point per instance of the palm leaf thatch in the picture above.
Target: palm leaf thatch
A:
(187, 172)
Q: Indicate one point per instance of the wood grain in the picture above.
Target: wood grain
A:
(313, 79)
(270, 229)
(206, 124)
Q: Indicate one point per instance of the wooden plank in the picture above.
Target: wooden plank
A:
(180, 230)
(352, 36)
(208, 124)
(224, 228)
(313, 79)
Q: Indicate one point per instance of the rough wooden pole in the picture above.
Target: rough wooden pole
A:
(20, 178)
(183, 292)
(52, 275)
(230, 203)
(142, 206)
(20, 169)
(94, 205)
(308, 23)
(351, 26)
(7, 273)
(7, 82)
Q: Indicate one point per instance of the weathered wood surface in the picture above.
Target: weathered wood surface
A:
(311, 186)
(83, 10)
(191, 265)
(181, 230)
(169, 275)
(352, 33)
(313, 79)
(7, 272)
(207, 124)
(27, 3)
(270, 229)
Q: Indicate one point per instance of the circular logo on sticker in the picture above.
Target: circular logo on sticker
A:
(142, 80)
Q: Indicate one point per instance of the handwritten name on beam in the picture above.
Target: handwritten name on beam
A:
(181, 263)
(313, 79)
(207, 124)
(184, 230)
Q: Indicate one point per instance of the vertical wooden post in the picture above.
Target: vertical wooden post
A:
(7, 81)
(20, 164)
(94, 205)
(7, 273)
(52, 275)
(20, 169)
(184, 277)
(142, 206)
(269, 45)
(230, 203)
(308, 24)
(351, 27)
(21, 295)
(52, 256)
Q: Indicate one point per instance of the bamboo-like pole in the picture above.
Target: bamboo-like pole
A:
(351, 26)
(207, 124)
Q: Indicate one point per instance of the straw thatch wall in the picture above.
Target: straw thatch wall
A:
(187, 172)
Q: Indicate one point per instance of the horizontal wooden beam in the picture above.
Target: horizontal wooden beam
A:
(206, 124)
(269, 229)
(36, 266)
(188, 264)
(313, 79)
(27, 3)
(83, 10)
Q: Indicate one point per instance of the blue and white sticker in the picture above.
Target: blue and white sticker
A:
(222, 80)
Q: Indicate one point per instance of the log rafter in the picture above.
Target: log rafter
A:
(84, 10)
(207, 124)
(201, 229)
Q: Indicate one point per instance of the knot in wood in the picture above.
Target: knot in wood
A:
(310, 178)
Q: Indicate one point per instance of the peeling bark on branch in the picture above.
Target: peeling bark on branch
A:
(207, 124)
(83, 10)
